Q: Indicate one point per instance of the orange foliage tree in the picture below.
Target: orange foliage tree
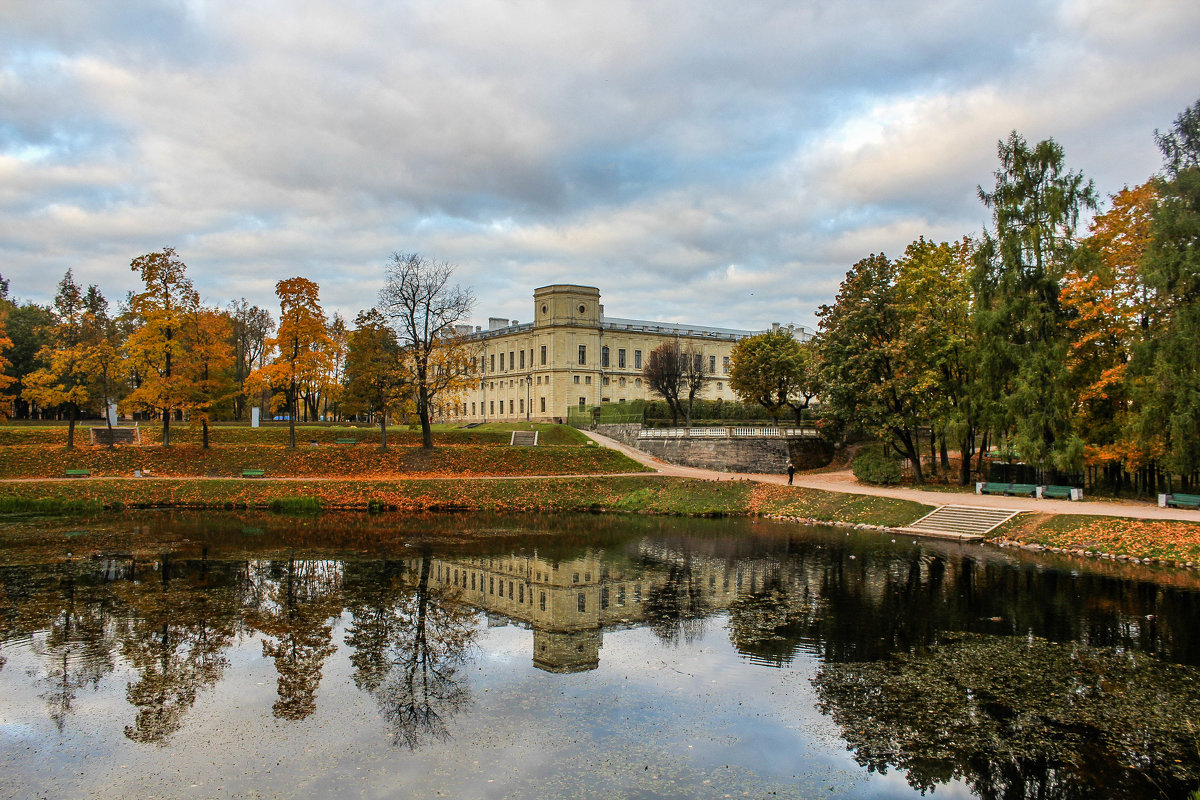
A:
(209, 364)
(5, 345)
(1111, 310)
(302, 348)
(157, 346)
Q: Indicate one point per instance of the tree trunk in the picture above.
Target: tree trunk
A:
(108, 424)
(71, 429)
(292, 418)
(166, 433)
(204, 428)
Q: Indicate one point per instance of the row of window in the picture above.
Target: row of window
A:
(479, 364)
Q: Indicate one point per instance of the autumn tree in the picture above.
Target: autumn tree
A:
(334, 384)
(64, 381)
(210, 364)
(664, 375)
(157, 346)
(1110, 312)
(1166, 368)
(301, 345)
(864, 379)
(375, 376)
(1016, 280)
(6, 344)
(937, 344)
(28, 327)
(774, 370)
(423, 308)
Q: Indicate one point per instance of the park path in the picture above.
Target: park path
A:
(845, 482)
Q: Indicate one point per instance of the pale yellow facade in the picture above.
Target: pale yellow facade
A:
(572, 355)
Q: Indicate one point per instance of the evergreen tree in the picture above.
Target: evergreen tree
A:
(1018, 270)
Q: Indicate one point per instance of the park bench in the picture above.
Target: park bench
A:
(1183, 501)
(79, 473)
(1025, 489)
(253, 473)
(347, 441)
(992, 488)
(1060, 492)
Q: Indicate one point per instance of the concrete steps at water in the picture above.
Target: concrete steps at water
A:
(960, 522)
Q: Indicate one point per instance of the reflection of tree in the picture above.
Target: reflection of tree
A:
(676, 608)
(769, 624)
(78, 643)
(409, 643)
(1021, 718)
(301, 603)
(176, 643)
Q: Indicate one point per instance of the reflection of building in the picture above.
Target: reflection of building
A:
(573, 355)
(568, 604)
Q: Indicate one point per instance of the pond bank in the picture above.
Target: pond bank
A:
(1154, 541)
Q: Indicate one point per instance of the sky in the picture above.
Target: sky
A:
(715, 163)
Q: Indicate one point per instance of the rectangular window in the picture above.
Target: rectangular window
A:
(474, 363)
(543, 404)
(472, 409)
(581, 602)
(522, 359)
(621, 595)
(520, 592)
(502, 362)
(604, 357)
(510, 587)
(522, 406)
(582, 402)
(542, 600)
(606, 380)
(543, 355)
(587, 379)
(575, 577)
(712, 365)
(583, 354)
(577, 379)
(621, 358)
(492, 585)
(603, 598)
(491, 406)
(622, 381)
(512, 362)
(492, 368)
(637, 359)
(725, 364)
(501, 406)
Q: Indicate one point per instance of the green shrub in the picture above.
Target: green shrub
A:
(873, 465)
(302, 505)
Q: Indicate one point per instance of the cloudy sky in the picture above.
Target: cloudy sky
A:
(710, 162)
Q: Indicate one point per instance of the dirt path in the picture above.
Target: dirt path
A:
(844, 481)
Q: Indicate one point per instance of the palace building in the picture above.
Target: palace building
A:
(572, 355)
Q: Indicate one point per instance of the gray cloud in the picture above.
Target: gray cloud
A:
(697, 161)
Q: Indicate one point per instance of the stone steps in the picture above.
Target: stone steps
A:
(961, 522)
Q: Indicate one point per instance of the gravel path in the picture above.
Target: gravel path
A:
(844, 481)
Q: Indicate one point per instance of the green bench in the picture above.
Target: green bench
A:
(347, 441)
(993, 488)
(1058, 492)
(1183, 501)
(79, 473)
(253, 473)
(1026, 489)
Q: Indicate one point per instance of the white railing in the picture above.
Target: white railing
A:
(728, 432)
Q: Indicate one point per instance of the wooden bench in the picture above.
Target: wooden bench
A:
(993, 488)
(1025, 489)
(1059, 492)
(79, 473)
(347, 441)
(1183, 501)
(253, 473)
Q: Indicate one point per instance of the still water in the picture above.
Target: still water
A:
(167, 655)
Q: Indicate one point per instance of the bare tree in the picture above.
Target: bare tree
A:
(423, 309)
(664, 374)
(692, 362)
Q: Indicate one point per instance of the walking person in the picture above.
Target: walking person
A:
(791, 472)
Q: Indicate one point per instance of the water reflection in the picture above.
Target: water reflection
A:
(1018, 677)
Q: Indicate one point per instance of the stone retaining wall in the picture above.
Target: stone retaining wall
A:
(742, 454)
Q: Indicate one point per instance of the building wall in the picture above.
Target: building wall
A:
(535, 371)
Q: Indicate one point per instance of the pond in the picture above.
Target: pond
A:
(173, 655)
